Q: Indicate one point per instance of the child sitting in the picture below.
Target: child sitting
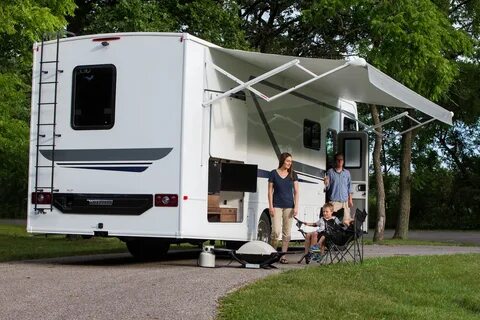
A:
(315, 240)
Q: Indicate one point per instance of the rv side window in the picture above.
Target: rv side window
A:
(353, 153)
(311, 134)
(349, 124)
(331, 147)
(93, 97)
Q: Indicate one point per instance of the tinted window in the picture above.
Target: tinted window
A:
(349, 124)
(93, 101)
(311, 134)
(331, 147)
(353, 153)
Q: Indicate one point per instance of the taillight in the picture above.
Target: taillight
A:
(166, 200)
(41, 198)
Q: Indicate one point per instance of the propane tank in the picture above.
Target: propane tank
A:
(207, 258)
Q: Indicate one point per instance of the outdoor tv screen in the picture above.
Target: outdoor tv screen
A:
(238, 177)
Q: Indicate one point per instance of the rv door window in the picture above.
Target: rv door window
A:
(353, 153)
(311, 134)
(93, 100)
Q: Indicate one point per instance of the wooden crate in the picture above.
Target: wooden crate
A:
(213, 200)
(228, 215)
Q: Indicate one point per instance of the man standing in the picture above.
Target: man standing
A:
(338, 185)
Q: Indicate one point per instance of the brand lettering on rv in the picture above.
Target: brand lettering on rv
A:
(100, 202)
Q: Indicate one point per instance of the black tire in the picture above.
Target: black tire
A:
(264, 230)
(148, 249)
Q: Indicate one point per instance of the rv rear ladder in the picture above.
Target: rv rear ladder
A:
(51, 125)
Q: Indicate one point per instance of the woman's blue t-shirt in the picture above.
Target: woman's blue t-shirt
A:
(282, 189)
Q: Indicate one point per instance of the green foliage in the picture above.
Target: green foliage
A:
(463, 97)
(21, 23)
(129, 16)
(392, 195)
(13, 142)
(414, 42)
(434, 287)
(215, 21)
(411, 40)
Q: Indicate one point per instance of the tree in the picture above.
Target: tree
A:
(214, 21)
(412, 41)
(21, 23)
(380, 187)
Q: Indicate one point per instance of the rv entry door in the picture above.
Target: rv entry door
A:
(354, 146)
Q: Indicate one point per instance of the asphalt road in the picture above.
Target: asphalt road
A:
(454, 236)
(115, 286)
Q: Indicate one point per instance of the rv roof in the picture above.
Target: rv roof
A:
(360, 82)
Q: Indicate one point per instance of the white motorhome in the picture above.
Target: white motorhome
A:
(159, 138)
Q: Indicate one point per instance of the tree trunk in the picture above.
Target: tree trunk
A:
(401, 230)
(377, 165)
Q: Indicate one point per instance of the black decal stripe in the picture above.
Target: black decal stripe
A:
(99, 163)
(266, 174)
(273, 141)
(107, 154)
(128, 169)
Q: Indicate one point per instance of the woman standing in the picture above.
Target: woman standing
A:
(282, 200)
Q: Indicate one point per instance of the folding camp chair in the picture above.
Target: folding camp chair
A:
(314, 254)
(345, 244)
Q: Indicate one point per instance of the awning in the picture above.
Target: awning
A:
(351, 80)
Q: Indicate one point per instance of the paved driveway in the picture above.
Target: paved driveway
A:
(114, 286)
(454, 236)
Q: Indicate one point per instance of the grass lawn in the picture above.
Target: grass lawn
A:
(428, 287)
(17, 244)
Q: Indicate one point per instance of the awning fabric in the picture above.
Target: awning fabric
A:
(360, 83)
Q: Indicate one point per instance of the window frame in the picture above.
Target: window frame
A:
(113, 98)
(310, 123)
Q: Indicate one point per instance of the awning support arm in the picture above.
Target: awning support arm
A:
(315, 78)
(388, 120)
(414, 127)
(398, 116)
(248, 85)
(412, 118)
(368, 128)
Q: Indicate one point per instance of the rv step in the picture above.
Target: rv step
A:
(44, 103)
(44, 166)
(45, 145)
(48, 82)
(46, 124)
(50, 61)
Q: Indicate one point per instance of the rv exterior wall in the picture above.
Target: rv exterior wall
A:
(161, 82)
(148, 105)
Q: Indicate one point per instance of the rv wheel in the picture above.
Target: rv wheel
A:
(264, 228)
(148, 249)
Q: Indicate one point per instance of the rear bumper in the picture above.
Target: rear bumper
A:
(105, 204)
